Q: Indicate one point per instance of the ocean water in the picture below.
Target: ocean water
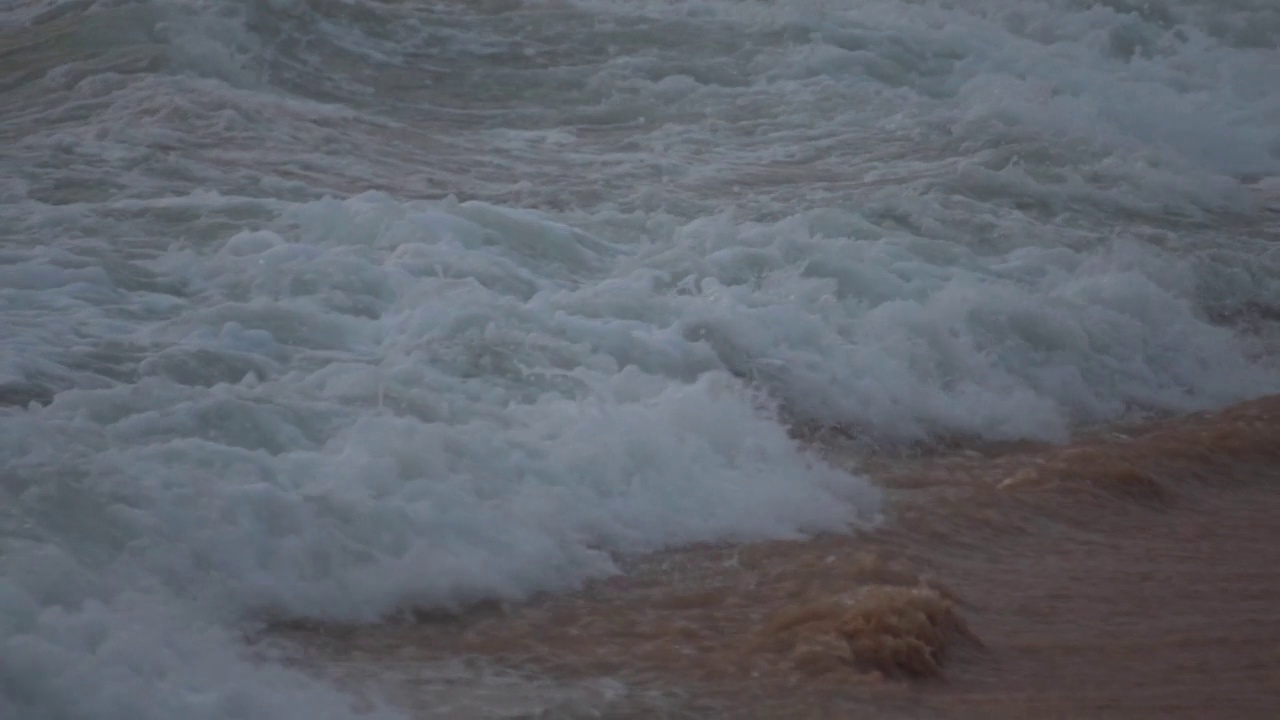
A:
(328, 310)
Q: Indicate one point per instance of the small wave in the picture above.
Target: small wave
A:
(1011, 573)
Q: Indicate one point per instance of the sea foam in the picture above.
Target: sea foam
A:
(331, 310)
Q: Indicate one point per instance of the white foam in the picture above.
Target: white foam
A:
(234, 383)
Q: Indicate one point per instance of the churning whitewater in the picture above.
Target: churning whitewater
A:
(330, 309)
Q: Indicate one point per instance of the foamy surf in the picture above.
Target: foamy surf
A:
(1123, 575)
(332, 312)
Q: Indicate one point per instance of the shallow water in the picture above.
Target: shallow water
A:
(329, 311)
(1123, 575)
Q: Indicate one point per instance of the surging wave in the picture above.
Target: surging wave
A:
(249, 371)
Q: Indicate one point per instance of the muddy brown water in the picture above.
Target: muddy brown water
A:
(1132, 573)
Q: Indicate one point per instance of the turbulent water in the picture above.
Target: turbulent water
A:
(327, 309)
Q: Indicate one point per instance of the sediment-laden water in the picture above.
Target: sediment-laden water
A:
(319, 315)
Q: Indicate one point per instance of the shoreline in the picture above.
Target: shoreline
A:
(1127, 574)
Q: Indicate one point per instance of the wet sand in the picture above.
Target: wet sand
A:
(1163, 615)
(1131, 574)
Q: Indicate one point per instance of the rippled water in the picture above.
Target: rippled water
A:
(331, 309)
